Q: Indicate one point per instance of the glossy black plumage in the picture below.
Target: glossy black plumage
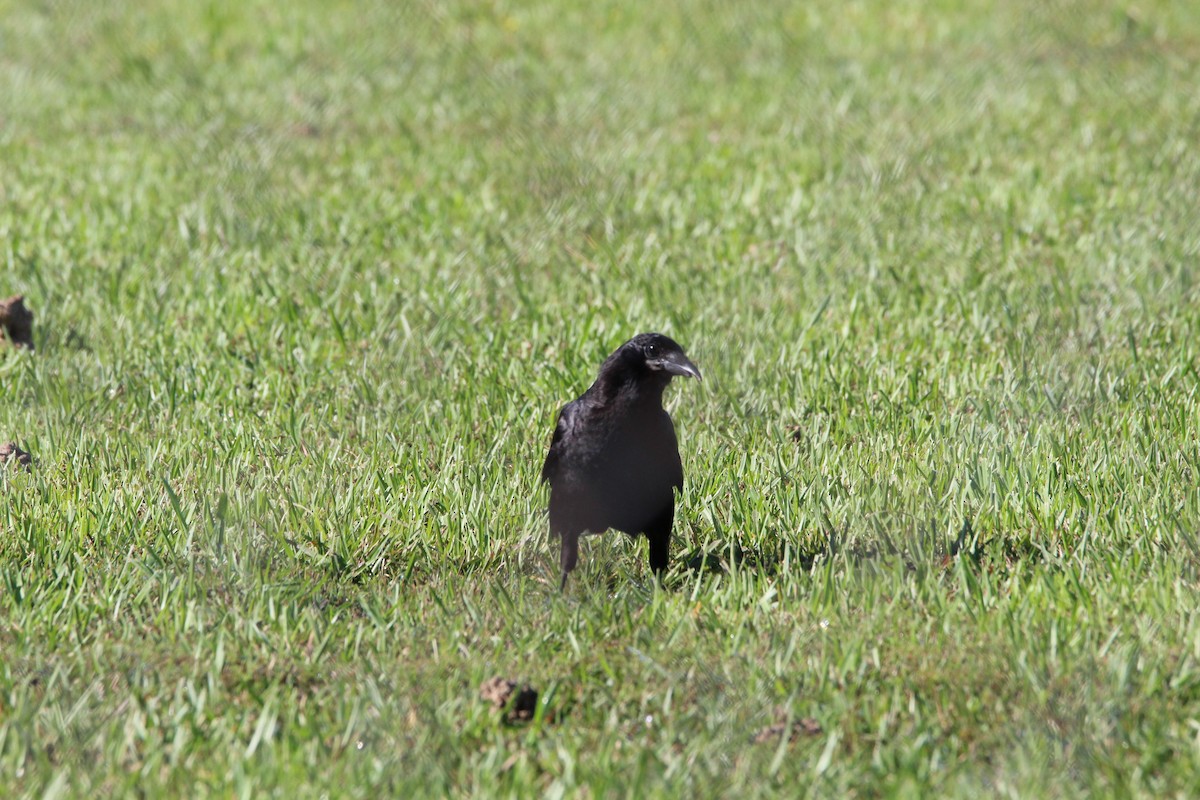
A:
(614, 459)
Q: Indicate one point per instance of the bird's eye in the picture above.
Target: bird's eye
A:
(651, 350)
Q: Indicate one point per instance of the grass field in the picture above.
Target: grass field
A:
(312, 279)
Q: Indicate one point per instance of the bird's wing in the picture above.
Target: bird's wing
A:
(562, 431)
(675, 463)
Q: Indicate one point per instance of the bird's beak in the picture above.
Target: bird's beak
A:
(681, 366)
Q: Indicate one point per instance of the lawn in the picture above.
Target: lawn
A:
(312, 279)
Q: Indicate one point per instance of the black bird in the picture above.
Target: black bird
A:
(614, 460)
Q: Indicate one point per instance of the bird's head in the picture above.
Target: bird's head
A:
(658, 356)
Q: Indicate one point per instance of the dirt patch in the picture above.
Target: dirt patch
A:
(16, 321)
(798, 729)
(518, 702)
(11, 454)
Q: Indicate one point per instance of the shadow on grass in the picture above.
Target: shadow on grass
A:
(920, 546)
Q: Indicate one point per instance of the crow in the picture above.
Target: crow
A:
(614, 460)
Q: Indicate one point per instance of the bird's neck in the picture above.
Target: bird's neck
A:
(632, 392)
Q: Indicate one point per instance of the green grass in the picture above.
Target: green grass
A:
(312, 279)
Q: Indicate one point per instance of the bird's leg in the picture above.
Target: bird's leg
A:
(568, 556)
(659, 534)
